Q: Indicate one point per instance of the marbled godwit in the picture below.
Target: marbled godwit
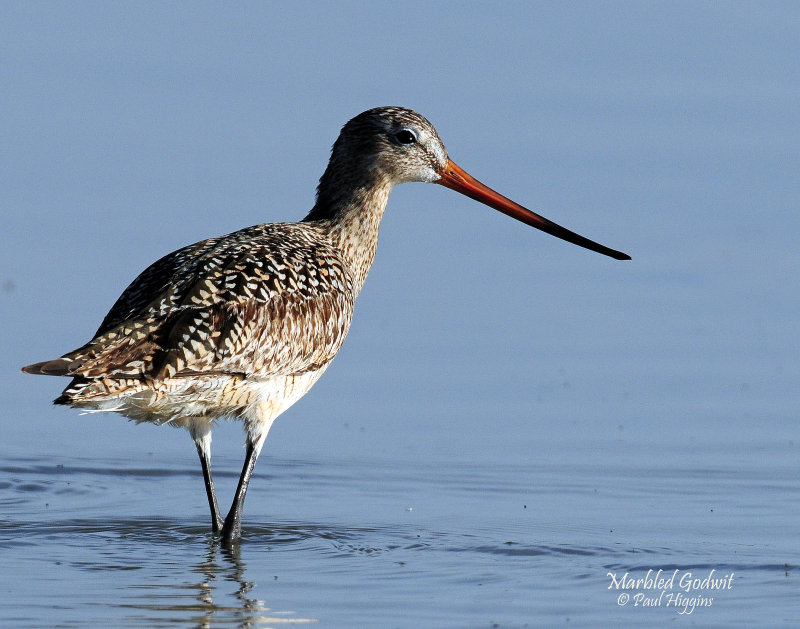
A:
(243, 325)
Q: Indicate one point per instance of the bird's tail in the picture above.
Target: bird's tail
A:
(57, 367)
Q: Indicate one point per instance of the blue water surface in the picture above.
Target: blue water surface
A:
(514, 423)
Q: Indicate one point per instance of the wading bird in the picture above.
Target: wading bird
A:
(243, 325)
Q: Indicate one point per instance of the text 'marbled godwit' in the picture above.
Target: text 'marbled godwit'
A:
(243, 325)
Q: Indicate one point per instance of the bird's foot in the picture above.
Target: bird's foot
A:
(231, 530)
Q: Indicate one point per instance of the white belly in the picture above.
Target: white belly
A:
(177, 401)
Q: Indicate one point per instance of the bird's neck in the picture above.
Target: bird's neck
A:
(351, 215)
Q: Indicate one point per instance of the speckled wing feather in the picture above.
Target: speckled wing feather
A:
(157, 280)
(267, 300)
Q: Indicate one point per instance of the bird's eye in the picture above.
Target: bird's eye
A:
(404, 136)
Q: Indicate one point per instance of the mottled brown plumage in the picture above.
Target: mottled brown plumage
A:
(244, 324)
(263, 302)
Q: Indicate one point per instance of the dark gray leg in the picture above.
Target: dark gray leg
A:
(200, 429)
(205, 461)
(232, 529)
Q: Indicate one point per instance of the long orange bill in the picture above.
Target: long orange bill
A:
(455, 178)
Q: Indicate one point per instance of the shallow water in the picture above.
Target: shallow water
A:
(512, 421)
(352, 542)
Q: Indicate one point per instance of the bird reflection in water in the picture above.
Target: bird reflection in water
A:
(214, 603)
